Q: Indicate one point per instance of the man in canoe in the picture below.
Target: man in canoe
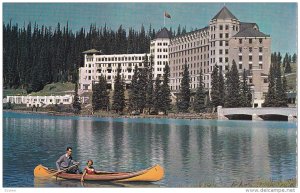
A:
(66, 161)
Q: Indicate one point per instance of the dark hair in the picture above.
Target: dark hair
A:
(89, 161)
(69, 148)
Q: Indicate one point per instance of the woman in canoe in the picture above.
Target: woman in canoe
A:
(89, 169)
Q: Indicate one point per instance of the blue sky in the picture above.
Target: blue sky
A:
(276, 19)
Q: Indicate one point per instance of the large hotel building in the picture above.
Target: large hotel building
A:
(225, 39)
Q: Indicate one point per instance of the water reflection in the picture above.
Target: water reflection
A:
(191, 152)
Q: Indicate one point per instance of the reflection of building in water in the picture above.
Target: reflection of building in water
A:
(260, 152)
(85, 140)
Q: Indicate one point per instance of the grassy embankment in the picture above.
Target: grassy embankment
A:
(292, 78)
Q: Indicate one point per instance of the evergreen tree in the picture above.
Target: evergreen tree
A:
(76, 102)
(134, 91)
(215, 91)
(278, 85)
(288, 68)
(100, 97)
(270, 99)
(118, 96)
(294, 58)
(185, 93)
(157, 95)
(284, 97)
(221, 88)
(199, 100)
(150, 94)
(165, 90)
(233, 88)
(142, 85)
(246, 92)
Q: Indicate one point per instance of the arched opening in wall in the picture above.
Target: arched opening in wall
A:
(274, 117)
(239, 117)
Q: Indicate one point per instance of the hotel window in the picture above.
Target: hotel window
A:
(260, 66)
(260, 49)
(240, 66)
(250, 49)
(240, 49)
(260, 40)
(250, 41)
(265, 80)
(226, 51)
(226, 43)
(240, 41)
(220, 59)
(226, 27)
(226, 35)
(250, 58)
(226, 59)
(240, 58)
(250, 80)
(221, 43)
(233, 27)
(220, 51)
(221, 27)
(221, 35)
(250, 66)
(260, 58)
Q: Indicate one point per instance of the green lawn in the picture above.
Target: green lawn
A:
(56, 89)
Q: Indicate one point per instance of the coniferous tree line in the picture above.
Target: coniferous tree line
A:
(34, 56)
(277, 89)
(231, 92)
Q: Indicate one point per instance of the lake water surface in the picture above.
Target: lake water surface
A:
(192, 152)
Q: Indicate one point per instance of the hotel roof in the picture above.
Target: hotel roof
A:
(224, 13)
(250, 32)
(163, 33)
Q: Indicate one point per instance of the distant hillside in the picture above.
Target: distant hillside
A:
(292, 78)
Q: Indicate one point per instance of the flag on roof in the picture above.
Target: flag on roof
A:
(167, 15)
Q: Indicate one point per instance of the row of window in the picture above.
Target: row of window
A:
(250, 40)
(114, 65)
(162, 56)
(213, 36)
(162, 44)
(260, 58)
(260, 49)
(124, 58)
(190, 51)
(162, 50)
(162, 62)
(188, 59)
(260, 66)
(221, 43)
(226, 27)
(187, 45)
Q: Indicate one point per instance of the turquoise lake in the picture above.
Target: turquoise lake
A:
(192, 152)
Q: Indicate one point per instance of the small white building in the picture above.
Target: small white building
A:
(43, 101)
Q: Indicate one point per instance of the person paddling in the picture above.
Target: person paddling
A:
(89, 170)
(65, 161)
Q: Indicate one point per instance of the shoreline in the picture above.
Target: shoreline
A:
(187, 116)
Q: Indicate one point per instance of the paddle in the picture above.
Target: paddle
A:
(54, 174)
